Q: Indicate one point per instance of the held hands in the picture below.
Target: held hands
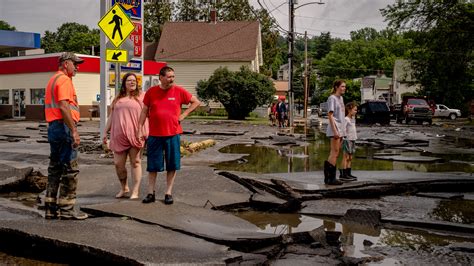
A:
(139, 134)
(336, 134)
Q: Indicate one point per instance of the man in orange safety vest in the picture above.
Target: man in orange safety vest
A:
(62, 115)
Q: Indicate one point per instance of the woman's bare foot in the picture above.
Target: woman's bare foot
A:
(134, 195)
(122, 193)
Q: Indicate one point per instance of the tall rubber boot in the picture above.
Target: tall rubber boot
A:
(67, 195)
(349, 173)
(50, 199)
(327, 166)
(344, 177)
(332, 176)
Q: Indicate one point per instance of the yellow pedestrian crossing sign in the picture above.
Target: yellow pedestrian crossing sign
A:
(116, 25)
(116, 55)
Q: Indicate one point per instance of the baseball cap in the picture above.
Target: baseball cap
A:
(70, 56)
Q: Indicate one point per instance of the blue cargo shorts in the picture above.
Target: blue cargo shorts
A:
(161, 150)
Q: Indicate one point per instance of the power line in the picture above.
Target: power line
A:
(339, 20)
(275, 8)
(281, 29)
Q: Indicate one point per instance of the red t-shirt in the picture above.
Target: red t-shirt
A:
(164, 109)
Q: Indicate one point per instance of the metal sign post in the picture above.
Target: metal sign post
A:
(104, 99)
(117, 26)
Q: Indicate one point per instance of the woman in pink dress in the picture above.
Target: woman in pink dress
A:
(122, 124)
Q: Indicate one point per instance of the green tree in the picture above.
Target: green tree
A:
(442, 58)
(367, 34)
(5, 26)
(240, 92)
(320, 46)
(49, 42)
(368, 53)
(232, 10)
(71, 37)
(188, 10)
(271, 52)
(156, 13)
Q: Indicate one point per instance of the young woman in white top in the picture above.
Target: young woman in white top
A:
(335, 130)
(348, 143)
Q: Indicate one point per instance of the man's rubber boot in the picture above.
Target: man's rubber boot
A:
(69, 213)
(51, 211)
(332, 176)
(349, 173)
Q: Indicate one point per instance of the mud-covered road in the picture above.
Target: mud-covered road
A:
(403, 214)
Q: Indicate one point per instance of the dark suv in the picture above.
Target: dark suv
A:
(415, 108)
(372, 112)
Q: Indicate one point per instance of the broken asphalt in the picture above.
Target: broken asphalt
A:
(199, 228)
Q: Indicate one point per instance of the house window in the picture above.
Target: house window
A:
(4, 95)
(37, 96)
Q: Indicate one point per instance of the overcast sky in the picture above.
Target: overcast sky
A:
(339, 17)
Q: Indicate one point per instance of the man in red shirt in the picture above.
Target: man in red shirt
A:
(162, 106)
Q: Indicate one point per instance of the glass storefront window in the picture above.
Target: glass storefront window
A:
(4, 96)
(37, 96)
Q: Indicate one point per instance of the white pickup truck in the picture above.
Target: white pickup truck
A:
(444, 111)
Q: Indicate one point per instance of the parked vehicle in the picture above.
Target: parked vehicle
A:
(415, 108)
(373, 112)
(444, 111)
(315, 110)
(323, 109)
(395, 110)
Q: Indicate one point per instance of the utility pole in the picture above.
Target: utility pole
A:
(291, 42)
(305, 77)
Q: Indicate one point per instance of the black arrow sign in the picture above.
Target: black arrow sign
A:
(116, 55)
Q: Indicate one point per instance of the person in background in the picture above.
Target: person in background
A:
(272, 113)
(62, 114)
(348, 143)
(162, 106)
(335, 130)
(281, 112)
(122, 123)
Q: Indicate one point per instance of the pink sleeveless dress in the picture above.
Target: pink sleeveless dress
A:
(124, 124)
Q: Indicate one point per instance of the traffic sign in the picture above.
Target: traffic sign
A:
(116, 25)
(116, 55)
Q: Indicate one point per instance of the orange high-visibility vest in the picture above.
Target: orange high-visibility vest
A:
(51, 108)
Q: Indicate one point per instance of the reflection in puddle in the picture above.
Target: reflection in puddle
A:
(456, 211)
(262, 159)
(355, 238)
(280, 223)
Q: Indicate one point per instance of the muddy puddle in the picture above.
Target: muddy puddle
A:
(455, 211)
(287, 159)
(357, 240)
